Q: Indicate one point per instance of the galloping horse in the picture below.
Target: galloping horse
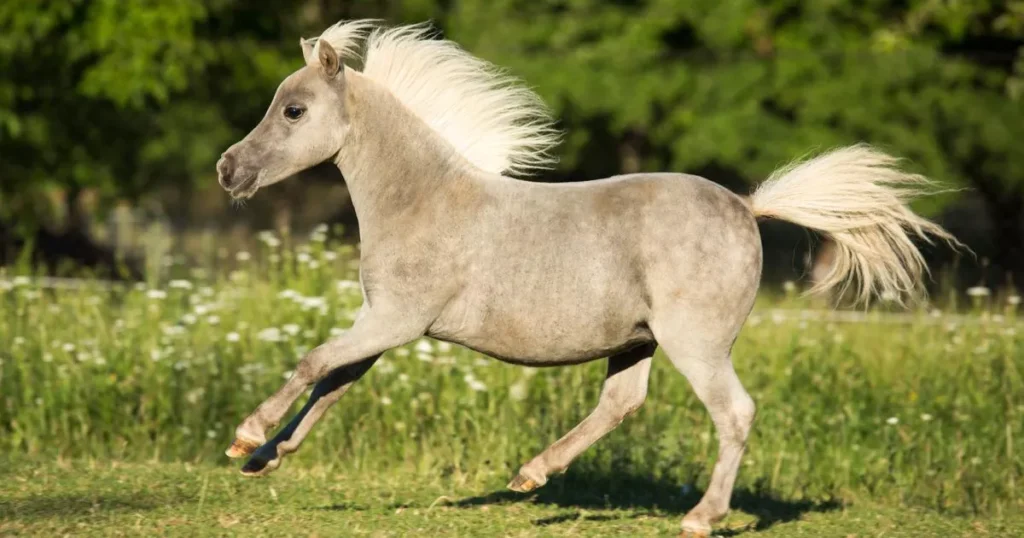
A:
(429, 139)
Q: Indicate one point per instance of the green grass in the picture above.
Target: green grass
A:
(83, 499)
(877, 418)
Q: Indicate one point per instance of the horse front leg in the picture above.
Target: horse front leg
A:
(373, 333)
(325, 393)
(624, 391)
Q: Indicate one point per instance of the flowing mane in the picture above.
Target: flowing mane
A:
(488, 116)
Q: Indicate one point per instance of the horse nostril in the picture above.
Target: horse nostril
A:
(226, 170)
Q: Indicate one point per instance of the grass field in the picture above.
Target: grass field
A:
(116, 404)
(173, 499)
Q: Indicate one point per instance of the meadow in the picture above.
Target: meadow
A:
(117, 401)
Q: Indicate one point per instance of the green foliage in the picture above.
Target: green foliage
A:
(126, 96)
(747, 86)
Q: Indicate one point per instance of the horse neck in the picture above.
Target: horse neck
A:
(394, 164)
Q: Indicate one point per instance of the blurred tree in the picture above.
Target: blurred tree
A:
(121, 97)
(114, 99)
(731, 89)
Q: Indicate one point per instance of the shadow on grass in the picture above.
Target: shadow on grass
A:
(70, 506)
(648, 497)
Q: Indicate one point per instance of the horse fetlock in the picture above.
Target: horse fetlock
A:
(287, 447)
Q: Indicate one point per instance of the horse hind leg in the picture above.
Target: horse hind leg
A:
(624, 391)
(701, 352)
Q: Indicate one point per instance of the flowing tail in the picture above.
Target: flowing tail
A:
(857, 196)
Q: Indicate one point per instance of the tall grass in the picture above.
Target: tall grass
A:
(927, 413)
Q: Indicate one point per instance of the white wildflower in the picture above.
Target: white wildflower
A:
(474, 383)
(423, 346)
(330, 255)
(189, 319)
(384, 400)
(21, 281)
(18, 341)
(289, 294)
(243, 256)
(313, 264)
(68, 347)
(287, 374)
(1013, 300)
(174, 330)
(303, 257)
(270, 334)
(201, 309)
(892, 421)
(268, 238)
(789, 286)
(336, 331)
(517, 392)
(193, 396)
(211, 434)
(926, 417)
(233, 337)
(156, 294)
(978, 291)
(291, 328)
(180, 284)
(444, 347)
(312, 303)
(348, 285)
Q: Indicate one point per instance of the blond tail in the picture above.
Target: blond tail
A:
(857, 196)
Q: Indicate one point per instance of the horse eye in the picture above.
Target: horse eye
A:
(293, 112)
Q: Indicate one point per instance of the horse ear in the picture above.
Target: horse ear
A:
(329, 62)
(307, 49)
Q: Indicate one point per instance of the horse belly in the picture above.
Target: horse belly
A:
(538, 334)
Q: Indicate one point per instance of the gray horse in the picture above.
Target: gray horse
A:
(428, 138)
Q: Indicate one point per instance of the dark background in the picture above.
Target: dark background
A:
(113, 113)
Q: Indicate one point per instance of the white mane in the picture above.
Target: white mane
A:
(490, 118)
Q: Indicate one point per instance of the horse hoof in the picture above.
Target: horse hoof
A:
(257, 466)
(522, 484)
(695, 533)
(241, 448)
